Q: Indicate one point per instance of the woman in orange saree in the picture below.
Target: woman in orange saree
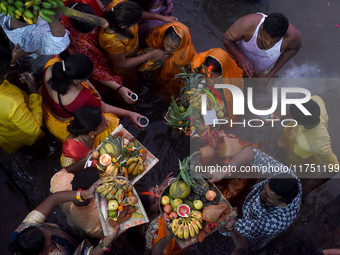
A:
(175, 38)
(224, 67)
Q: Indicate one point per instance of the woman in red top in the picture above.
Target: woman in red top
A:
(66, 88)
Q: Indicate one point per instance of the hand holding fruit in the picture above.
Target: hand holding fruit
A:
(89, 193)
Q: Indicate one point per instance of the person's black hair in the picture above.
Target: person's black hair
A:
(303, 119)
(216, 66)
(85, 178)
(146, 4)
(77, 66)
(30, 241)
(172, 35)
(276, 25)
(5, 62)
(86, 120)
(82, 26)
(141, 188)
(284, 186)
(124, 14)
(299, 244)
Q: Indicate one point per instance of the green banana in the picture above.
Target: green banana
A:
(19, 13)
(48, 12)
(4, 8)
(11, 8)
(53, 3)
(29, 14)
(11, 13)
(45, 17)
(46, 5)
(18, 4)
(10, 2)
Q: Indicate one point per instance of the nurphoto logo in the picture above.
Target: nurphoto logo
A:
(238, 105)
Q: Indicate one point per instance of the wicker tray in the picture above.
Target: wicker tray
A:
(150, 159)
(132, 222)
(187, 242)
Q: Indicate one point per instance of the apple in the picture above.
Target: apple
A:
(177, 202)
(95, 155)
(210, 195)
(198, 204)
(173, 215)
(165, 200)
(167, 209)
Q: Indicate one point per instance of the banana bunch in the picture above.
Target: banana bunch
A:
(30, 9)
(185, 228)
(135, 165)
(110, 171)
(113, 188)
(195, 97)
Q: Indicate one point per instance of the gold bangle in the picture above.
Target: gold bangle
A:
(230, 228)
(78, 197)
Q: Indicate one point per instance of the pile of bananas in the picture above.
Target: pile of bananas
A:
(114, 188)
(134, 166)
(185, 228)
(111, 170)
(30, 9)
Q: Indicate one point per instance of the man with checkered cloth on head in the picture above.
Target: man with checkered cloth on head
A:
(272, 205)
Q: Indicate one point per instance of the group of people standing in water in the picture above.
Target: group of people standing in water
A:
(76, 63)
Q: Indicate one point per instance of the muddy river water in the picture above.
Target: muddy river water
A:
(315, 66)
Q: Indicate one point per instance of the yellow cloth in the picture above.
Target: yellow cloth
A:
(180, 57)
(309, 146)
(80, 218)
(116, 43)
(20, 117)
(231, 73)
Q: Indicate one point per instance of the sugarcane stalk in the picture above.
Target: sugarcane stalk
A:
(81, 16)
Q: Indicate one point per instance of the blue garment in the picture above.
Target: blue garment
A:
(260, 222)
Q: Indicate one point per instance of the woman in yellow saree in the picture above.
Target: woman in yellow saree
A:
(175, 38)
(216, 63)
(65, 89)
(120, 39)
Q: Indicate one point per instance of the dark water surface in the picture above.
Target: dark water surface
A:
(31, 168)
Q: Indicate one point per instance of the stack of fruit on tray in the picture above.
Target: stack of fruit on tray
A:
(118, 203)
(194, 207)
(185, 111)
(120, 156)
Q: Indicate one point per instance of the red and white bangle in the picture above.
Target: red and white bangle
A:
(78, 197)
(103, 247)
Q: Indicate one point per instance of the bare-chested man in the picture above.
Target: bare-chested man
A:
(262, 44)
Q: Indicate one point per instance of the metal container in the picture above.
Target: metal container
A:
(132, 222)
(187, 242)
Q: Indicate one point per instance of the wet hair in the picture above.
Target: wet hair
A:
(303, 119)
(86, 120)
(284, 186)
(216, 66)
(142, 187)
(276, 25)
(146, 4)
(5, 62)
(172, 35)
(77, 66)
(82, 26)
(30, 241)
(299, 244)
(124, 14)
(85, 178)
